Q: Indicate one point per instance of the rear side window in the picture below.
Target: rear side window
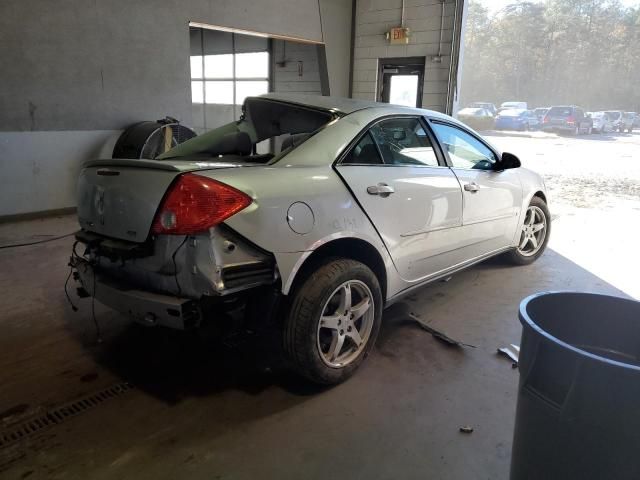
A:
(364, 153)
(403, 141)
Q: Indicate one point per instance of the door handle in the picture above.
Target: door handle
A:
(472, 187)
(381, 189)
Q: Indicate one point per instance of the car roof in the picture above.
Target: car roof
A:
(344, 106)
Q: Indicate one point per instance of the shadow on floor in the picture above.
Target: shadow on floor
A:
(171, 365)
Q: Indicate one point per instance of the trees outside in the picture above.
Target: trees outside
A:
(582, 52)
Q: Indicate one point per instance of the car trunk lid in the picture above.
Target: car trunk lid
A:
(119, 198)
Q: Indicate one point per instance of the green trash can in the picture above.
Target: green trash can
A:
(578, 413)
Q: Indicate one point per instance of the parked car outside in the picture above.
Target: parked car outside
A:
(364, 203)
(486, 105)
(533, 122)
(541, 112)
(615, 117)
(513, 119)
(567, 119)
(478, 118)
(627, 121)
(636, 120)
(509, 105)
(601, 122)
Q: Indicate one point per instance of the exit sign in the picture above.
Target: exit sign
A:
(398, 35)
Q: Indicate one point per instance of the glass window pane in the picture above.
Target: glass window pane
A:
(218, 66)
(196, 66)
(197, 94)
(364, 153)
(252, 65)
(247, 88)
(404, 90)
(219, 92)
(465, 151)
(403, 141)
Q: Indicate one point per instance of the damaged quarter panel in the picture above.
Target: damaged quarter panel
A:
(329, 210)
(305, 176)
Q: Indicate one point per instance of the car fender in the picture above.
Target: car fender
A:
(290, 263)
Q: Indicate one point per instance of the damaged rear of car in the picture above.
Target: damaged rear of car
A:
(153, 243)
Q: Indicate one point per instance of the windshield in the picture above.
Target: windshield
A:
(513, 112)
(471, 111)
(560, 111)
(613, 115)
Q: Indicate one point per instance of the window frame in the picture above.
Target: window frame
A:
(438, 121)
(437, 150)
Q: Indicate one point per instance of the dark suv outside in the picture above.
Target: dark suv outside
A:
(569, 119)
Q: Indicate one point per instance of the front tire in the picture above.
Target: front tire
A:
(333, 321)
(534, 234)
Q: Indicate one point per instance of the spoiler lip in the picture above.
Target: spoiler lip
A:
(183, 165)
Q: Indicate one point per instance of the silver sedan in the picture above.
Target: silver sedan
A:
(309, 215)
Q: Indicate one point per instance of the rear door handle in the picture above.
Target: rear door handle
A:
(472, 187)
(381, 189)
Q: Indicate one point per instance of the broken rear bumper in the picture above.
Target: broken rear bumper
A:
(144, 307)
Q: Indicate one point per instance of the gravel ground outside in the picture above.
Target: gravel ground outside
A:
(594, 195)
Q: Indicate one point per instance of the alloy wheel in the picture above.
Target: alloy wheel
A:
(345, 324)
(534, 231)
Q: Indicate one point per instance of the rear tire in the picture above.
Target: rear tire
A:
(320, 318)
(525, 253)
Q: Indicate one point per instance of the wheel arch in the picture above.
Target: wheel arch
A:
(348, 247)
(540, 194)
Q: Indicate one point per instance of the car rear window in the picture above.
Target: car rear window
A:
(560, 111)
(513, 112)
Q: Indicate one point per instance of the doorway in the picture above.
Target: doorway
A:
(402, 81)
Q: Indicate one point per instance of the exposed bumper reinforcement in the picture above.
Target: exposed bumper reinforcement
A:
(147, 308)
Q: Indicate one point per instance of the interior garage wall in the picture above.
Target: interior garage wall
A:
(76, 72)
(375, 17)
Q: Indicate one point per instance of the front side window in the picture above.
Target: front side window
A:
(403, 141)
(465, 151)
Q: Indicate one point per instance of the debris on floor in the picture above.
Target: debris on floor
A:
(466, 429)
(439, 335)
(512, 353)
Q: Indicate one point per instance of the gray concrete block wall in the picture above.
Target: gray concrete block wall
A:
(375, 17)
(287, 77)
(77, 72)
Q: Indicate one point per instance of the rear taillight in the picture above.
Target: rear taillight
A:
(195, 203)
(545, 119)
(571, 120)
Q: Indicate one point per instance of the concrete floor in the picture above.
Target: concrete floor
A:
(205, 410)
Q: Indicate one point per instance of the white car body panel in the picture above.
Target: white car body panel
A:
(420, 222)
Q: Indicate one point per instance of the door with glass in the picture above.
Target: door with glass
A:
(401, 81)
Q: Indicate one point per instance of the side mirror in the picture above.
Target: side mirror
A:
(508, 160)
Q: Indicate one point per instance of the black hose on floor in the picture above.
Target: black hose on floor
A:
(14, 245)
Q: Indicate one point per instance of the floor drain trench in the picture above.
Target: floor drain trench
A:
(56, 416)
